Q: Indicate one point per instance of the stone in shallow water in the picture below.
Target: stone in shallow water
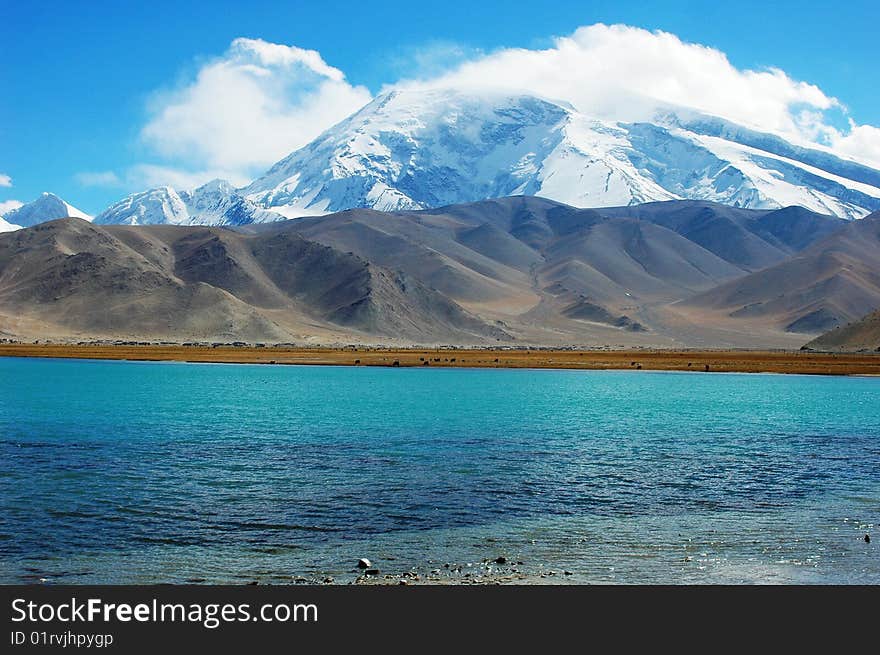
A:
(364, 563)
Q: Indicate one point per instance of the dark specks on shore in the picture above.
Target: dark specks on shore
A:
(493, 570)
(715, 361)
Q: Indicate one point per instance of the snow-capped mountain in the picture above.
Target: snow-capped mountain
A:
(47, 207)
(417, 149)
(159, 205)
(215, 203)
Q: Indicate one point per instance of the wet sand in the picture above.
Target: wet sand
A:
(722, 361)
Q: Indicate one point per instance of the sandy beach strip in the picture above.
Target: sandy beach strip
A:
(719, 361)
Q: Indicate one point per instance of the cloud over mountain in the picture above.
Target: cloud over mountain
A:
(247, 108)
(618, 72)
(7, 206)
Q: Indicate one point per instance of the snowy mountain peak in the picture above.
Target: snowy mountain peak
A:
(415, 148)
(215, 186)
(406, 150)
(214, 203)
(47, 207)
(158, 205)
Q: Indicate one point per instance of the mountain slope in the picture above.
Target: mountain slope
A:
(47, 207)
(833, 281)
(536, 264)
(69, 277)
(412, 149)
(747, 239)
(621, 261)
(479, 251)
(522, 269)
(863, 334)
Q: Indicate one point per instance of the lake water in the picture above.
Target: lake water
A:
(125, 472)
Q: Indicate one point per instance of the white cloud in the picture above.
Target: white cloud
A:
(249, 108)
(861, 143)
(143, 176)
(626, 73)
(8, 205)
(98, 178)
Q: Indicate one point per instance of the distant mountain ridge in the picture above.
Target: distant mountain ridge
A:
(518, 270)
(214, 203)
(833, 281)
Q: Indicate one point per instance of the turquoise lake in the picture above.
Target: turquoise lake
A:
(127, 472)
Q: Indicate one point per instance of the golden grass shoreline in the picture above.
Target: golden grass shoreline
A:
(725, 361)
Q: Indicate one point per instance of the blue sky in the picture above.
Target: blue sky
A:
(80, 80)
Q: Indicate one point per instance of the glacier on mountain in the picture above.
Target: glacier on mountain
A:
(410, 149)
(214, 203)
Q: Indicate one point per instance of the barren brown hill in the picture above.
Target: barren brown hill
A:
(68, 277)
(521, 270)
(834, 281)
(749, 239)
(583, 275)
(72, 278)
(863, 334)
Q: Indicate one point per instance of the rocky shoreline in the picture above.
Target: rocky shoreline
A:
(494, 571)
